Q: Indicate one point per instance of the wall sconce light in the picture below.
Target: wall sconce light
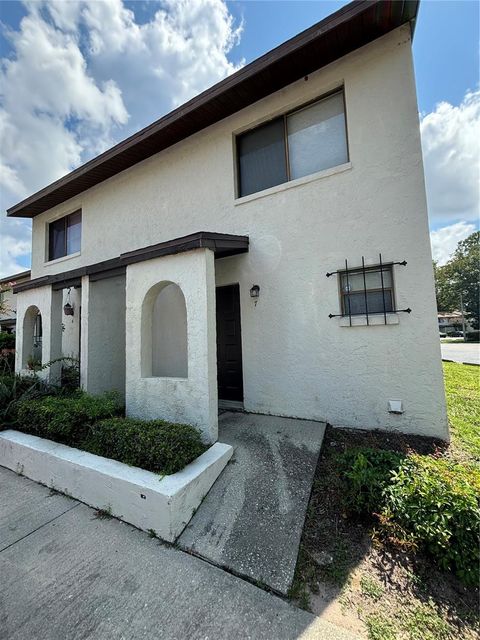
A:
(67, 307)
(255, 293)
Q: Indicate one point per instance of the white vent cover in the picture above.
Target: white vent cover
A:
(395, 406)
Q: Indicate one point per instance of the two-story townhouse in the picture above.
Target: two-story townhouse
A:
(264, 246)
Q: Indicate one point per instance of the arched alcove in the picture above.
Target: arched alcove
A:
(32, 338)
(164, 332)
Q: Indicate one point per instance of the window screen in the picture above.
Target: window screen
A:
(261, 158)
(311, 139)
(317, 138)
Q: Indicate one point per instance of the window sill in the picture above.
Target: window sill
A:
(62, 259)
(294, 183)
(373, 321)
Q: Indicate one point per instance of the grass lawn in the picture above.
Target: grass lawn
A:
(462, 388)
(351, 578)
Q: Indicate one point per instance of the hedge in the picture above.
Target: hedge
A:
(154, 445)
(65, 419)
(15, 389)
(93, 423)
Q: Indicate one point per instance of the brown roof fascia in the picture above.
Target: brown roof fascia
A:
(222, 244)
(16, 276)
(349, 28)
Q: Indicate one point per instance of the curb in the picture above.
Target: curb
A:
(471, 364)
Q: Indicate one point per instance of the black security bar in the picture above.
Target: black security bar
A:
(346, 301)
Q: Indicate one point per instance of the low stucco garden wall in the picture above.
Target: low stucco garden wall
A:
(148, 501)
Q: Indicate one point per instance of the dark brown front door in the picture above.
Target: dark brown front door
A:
(229, 344)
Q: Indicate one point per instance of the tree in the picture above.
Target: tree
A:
(461, 277)
(4, 306)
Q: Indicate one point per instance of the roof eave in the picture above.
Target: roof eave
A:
(349, 28)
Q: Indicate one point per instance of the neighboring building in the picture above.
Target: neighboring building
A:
(452, 321)
(8, 305)
(199, 248)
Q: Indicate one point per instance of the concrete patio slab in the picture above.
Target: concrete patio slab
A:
(78, 577)
(251, 521)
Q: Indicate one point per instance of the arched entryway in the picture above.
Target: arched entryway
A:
(32, 338)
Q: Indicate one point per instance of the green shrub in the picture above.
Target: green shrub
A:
(65, 419)
(435, 504)
(7, 352)
(366, 473)
(7, 340)
(155, 445)
(70, 375)
(15, 389)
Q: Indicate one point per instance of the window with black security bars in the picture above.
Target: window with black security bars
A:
(367, 290)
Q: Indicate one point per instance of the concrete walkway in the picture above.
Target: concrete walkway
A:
(466, 352)
(67, 575)
(252, 519)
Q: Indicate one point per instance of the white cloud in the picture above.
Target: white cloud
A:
(444, 240)
(451, 151)
(83, 75)
(15, 243)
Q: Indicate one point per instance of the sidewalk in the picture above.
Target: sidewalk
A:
(68, 575)
(251, 521)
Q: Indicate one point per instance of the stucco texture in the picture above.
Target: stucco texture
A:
(191, 400)
(296, 361)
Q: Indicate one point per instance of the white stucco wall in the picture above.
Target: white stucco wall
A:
(297, 361)
(164, 504)
(49, 303)
(71, 324)
(191, 400)
(169, 334)
(102, 359)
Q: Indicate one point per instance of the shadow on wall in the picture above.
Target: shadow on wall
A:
(164, 332)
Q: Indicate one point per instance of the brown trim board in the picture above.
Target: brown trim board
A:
(344, 31)
(222, 244)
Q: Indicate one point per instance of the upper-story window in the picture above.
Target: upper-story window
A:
(297, 144)
(64, 236)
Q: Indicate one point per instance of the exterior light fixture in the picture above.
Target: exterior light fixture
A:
(67, 307)
(255, 291)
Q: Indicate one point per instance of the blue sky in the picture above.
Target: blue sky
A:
(127, 77)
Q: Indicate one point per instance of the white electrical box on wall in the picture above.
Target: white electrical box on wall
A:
(395, 406)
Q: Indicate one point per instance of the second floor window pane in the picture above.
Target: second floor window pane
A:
(317, 137)
(74, 231)
(64, 236)
(261, 158)
(56, 232)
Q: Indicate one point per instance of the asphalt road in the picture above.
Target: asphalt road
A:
(461, 352)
